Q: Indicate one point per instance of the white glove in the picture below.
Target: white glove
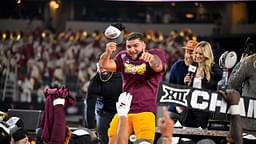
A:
(123, 104)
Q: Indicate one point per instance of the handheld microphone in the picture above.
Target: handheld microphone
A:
(191, 70)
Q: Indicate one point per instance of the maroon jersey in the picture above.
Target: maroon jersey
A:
(140, 80)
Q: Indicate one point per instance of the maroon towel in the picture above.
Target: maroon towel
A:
(53, 121)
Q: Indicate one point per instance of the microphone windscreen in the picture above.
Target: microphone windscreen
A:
(192, 68)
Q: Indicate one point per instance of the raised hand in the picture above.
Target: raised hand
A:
(123, 104)
(111, 47)
(166, 124)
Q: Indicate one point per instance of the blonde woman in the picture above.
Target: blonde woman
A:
(206, 77)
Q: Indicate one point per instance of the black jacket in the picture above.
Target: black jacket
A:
(106, 93)
(216, 75)
(198, 118)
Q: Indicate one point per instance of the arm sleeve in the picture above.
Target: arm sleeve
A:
(91, 101)
(172, 78)
(216, 76)
(118, 60)
(238, 75)
(217, 72)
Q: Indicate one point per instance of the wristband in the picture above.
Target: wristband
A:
(234, 110)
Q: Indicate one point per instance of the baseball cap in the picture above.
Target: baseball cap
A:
(113, 34)
(190, 45)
